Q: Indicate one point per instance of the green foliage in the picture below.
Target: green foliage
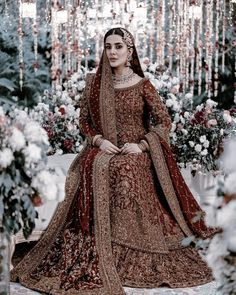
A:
(34, 81)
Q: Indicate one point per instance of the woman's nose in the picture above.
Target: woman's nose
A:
(113, 50)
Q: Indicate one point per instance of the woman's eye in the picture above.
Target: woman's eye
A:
(119, 46)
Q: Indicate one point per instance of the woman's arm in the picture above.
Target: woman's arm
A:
(159, 120)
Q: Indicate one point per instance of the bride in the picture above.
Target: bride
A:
(127, 207)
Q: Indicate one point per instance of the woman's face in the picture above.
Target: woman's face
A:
(116, 50)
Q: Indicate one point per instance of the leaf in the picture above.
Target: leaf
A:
(6, 83)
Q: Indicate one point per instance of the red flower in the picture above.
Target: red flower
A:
(49, 131)
(68, 144)
(62, 110)
(199, 118)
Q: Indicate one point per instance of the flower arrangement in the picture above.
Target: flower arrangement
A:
(221, 212)
(58, 113)
(197, 136)
(26, 180)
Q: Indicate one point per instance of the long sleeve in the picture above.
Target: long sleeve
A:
(85, 122)
(159, 120)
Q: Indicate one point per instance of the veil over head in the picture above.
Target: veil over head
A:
(102, 94)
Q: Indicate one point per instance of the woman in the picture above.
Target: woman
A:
(127, 208)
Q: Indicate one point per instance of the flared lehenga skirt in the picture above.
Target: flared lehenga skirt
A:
(135, 240)
(146, 239)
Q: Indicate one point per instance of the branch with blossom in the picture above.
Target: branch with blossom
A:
(25, 179)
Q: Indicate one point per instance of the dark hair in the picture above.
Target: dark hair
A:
(114, 31)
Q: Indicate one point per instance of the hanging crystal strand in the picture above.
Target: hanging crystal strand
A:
(35, 36)
(158, 48)
(171, 10)
(210, 48)
(48, 12)
(178, 37)
(68, 30)
(55, 70)
(223, 35)
(151, 31)
(192, 53)
(97, 33)
(163, 34)
(77, 39)
(186, 40)
(20, 48)
(181, 44)
(199, 45)
(216, 70)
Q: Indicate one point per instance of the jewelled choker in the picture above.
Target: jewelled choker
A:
(122, 79)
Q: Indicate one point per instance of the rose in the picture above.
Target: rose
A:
(211, 123)
(68, 144)
(62, 110)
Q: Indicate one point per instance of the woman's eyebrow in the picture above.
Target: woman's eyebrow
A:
(119, 43)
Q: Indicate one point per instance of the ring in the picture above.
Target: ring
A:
(126, 144)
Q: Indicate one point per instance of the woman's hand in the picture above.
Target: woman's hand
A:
(109, 147)
(131, 148)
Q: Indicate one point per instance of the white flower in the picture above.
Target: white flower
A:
(152, 67)
(211, 103)
(169, 102)
(206, 144)
(176, 106)
(32, 153)
(6, 157)
(199, 107)
(227, 118)
(70, 110)
(81, 85)
(35, 133)
(50, 185)
(165, 77)
(157, 84)
(176, 118)
(17, 139)
(175, 81)
(188, 96)
(184, 131)
(59, 152)
(204, 152)
(186, 115)
(173, 127)
(58, 88)
(191, 143)
(198, 147)
(232, 243)
(202, 138)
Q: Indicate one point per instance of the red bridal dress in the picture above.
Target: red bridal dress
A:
(124, 216)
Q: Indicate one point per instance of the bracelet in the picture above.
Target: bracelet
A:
(143, 145)
(97, 139)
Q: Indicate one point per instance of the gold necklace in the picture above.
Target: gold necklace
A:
(123, 79)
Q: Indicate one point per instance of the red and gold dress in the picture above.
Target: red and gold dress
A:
(124, 216)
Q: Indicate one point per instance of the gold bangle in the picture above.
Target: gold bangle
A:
(95, 138)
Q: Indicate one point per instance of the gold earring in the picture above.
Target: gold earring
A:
(129, 58)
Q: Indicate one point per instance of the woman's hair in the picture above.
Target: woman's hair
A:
(126, 36)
